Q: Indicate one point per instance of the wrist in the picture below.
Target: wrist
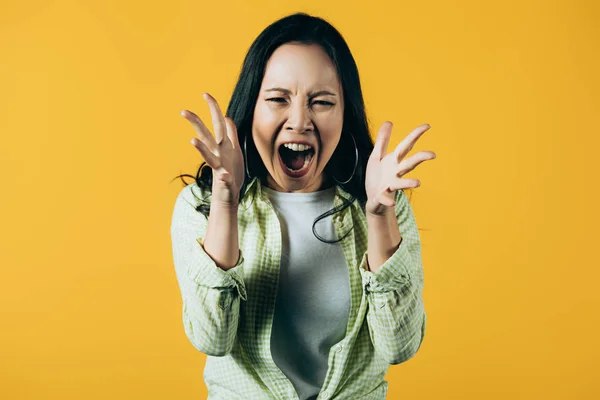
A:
(380, 212)
(224, 208)
(224, 201)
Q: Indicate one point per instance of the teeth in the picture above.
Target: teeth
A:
(297, 146)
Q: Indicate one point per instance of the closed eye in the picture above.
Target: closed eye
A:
(281, 99)
(323, 102)
(274, 99)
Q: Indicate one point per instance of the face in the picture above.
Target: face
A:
(298, 117)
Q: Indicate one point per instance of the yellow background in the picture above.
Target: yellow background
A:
(90, 95)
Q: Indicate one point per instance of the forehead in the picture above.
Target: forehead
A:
(306, 66)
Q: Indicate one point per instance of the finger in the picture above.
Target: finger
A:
(203, 133)
(232, 132)
(383, 139)
(412, 162)
(212, 160)
(404, 183)
(409, 141)
(223, 176)
(387, 198)
(217, 117)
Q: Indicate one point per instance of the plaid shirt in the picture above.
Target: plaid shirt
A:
(228, 314)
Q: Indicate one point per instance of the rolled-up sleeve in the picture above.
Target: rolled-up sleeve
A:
(396, 314)
(211, 296)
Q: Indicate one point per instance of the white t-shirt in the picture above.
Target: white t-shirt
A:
(313, 298)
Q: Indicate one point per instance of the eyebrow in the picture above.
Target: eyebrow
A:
(311, 95)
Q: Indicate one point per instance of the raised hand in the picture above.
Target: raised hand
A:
(384, 172)
(223, 155)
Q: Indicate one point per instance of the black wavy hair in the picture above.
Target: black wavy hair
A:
(300, 28)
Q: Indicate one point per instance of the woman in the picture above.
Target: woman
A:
(287, 299)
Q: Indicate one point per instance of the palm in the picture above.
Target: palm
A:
(383, 176)
(223, 155)
(228, 169)
(376, 181)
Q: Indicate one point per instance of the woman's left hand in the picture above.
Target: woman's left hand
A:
(384, 172)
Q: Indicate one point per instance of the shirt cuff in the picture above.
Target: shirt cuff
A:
(395, 272)
(207, 273)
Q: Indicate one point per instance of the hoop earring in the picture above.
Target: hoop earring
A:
(355, 164)
(246, 158)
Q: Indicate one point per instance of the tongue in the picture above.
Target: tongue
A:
(296, 162)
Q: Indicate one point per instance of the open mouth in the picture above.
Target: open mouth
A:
(296, 159)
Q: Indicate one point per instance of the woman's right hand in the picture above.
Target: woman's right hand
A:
(223, 155)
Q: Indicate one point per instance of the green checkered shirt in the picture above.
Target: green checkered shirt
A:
(228, 314)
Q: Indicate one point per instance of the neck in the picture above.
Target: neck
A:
(269, 182)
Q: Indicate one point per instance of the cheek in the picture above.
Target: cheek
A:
(262, 115)
(331, 146)
(262, 130)
(329, 142)
(330, 137)
(262, 141)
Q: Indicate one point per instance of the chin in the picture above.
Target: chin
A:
(288, 184)
(294, 185)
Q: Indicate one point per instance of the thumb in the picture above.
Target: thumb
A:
(232, 132)
(223, 177)
(383, 139)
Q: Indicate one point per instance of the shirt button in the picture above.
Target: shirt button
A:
(338, 347)
(326, 394)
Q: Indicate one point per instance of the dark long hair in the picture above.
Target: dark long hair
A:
(305, 29)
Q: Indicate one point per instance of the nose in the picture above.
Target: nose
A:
(299, 119)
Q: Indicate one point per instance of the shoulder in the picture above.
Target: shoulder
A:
(193, 194)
